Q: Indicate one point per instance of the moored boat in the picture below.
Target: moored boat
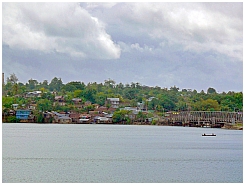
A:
(209, 134)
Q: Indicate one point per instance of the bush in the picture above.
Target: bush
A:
(12, 119)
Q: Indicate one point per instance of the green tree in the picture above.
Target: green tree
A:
(77, 85)
(56, 84)
(12, 79)
(207, 105)
(141, 116)
(211, 90)
(7, 101)
(78, 93)
(69, 88)
(32, 84)
(44, 105)
(100, 98)
(121, 116)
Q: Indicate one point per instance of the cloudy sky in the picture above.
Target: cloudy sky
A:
(189, 45)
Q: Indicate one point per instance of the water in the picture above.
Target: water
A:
(120, 153)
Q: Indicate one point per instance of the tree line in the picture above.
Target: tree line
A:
(154, 98)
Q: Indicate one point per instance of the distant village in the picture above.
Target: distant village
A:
(99, 114)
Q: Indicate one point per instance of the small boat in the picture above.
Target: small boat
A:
(209, 134)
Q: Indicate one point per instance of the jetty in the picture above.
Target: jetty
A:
(213, 119)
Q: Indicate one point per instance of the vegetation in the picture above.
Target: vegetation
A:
(158, 99)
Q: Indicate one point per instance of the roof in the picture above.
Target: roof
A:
(74, 115)
(64, 117)
(76, 99)
(113, 99)
(101, 109)
(58, 97)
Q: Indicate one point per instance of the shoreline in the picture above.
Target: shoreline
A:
(235, 127)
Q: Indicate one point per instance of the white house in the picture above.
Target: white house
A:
(114, 102)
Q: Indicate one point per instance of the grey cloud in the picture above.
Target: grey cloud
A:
(194, 26)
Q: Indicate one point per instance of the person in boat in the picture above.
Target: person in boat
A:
(204, 134)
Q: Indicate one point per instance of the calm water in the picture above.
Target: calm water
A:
(119, 153)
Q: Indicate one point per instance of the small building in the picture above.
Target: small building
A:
(15, 106)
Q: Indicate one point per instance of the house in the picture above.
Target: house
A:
(93, 112)
(114, 102)
(87, 103)
(151, 98)
(133, 112)
(47, 117)
(32, 106)
(141, 106)
(85, 118)
(100, 119)
(96, 106)
(77, 100)
(23, 115)
(60, 100)
(15, 106)
(111, 110)
(74, 117)
(61, 118)
(64, 119)
(101, 109)
(33, 94)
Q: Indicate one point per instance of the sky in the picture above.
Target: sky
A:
(187, 45)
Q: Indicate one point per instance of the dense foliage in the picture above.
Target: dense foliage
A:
(155, 98)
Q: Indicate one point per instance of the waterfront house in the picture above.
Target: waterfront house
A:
(47, 117)
(85, 118)
(101, 119)
(61, 118)
(23, 114)
(64, 119)
(74, 117)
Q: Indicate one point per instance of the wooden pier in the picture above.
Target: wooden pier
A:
(204, 118)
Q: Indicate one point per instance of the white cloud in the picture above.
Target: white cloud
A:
(68, 29)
